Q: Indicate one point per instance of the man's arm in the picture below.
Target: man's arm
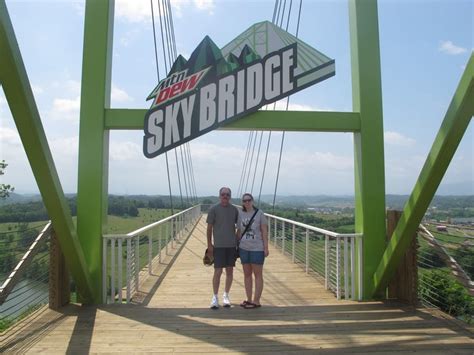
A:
(210, 246)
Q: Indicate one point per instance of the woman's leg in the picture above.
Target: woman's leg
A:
(258, 273)
(248, 280)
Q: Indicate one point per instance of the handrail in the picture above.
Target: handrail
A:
(15, 275)
(316, 229)
(116, 264)
(147, 227)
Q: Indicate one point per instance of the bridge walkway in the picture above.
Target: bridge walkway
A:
(298, 316)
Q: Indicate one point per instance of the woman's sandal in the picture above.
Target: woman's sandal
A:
(244, 303)
(251, 305)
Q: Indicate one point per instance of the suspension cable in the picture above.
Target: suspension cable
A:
(264, 166)
(287, 105)
(173, 50)
(158, 75)
(245, 164)
(256, 162)
(251, 160)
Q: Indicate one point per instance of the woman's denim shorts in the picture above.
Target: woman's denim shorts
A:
(251, 257)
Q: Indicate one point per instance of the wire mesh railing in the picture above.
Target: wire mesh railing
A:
(445, 272)
(331, 256)
(24, 255)
(129, 258)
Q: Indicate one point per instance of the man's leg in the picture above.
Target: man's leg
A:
(217, 279)
(229, 277)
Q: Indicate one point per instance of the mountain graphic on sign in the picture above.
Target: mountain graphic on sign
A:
(207, 54)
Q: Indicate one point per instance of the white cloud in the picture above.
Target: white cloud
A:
(67, 108)
(136, 11)
(122, 151)
(281, 105)
(120, 95)
(395, 138)
(37, 90)
(450, 48)
(9, 136)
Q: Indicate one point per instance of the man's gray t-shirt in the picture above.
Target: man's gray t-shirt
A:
(252, 240)
(223, 220)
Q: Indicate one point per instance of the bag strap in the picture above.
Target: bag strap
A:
(250, 222)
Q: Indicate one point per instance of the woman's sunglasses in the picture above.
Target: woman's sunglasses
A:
(247, 200)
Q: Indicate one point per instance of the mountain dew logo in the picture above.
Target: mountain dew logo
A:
(216, 86)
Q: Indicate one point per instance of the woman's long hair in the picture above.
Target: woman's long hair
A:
(243, 205)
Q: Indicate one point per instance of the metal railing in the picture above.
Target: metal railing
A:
(330, 255)
(126, 256)
(26, 287)
(445, 271)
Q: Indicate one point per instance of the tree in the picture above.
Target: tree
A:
(4, 189)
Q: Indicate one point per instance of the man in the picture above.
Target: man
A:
(221, 223)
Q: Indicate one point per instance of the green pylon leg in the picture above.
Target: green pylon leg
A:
(447, 140)
(93, 138)
(368, 143)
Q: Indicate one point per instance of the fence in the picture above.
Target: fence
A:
(445, 270)
(330, 255)
(125, 256)
(26, 287)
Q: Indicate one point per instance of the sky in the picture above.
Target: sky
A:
(424, 45)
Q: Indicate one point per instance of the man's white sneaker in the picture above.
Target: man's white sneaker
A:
(214, 303)
(226, 301)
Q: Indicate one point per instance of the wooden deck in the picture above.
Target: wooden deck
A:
(298, 316)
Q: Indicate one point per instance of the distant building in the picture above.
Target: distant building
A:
(441, 228)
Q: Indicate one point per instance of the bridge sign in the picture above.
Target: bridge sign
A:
(216, 86)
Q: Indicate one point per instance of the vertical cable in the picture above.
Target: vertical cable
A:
(245, 164)
(256, 162)
(158, 75)
(264, 166)
(251, 160)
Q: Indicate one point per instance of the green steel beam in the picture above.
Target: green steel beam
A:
(93, 138)
(260, 120)
(16, 86)
(368, 143)
(455, 123)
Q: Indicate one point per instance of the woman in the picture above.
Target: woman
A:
(253, 249)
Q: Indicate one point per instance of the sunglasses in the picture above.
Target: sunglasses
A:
(247, 200)
(225, 194)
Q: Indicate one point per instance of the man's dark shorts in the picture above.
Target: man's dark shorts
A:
(224, 257)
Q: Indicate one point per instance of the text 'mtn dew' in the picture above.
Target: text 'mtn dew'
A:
(228, 97)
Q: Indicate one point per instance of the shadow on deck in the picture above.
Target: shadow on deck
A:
(298, 315)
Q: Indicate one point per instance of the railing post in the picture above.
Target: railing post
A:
(293, 244)
(276, 226)
(360, 266)
(104, 271)
(326, 262)
(307, 251)
(353, 278)
(119, 279)
(112, 270)
(338, 269)
(346, 269)
(150, 250)
(159, 242)
(283, 238)
(137, 262)
(167, 231)
(129, 267)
